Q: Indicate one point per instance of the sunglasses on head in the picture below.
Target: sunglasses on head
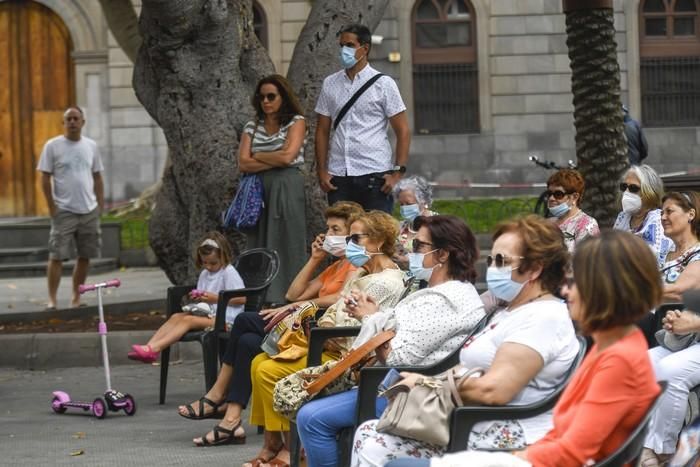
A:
(355, 238)
(500, 260)
(558, 194)
(270, 97)
(417, 244)
(630, 187)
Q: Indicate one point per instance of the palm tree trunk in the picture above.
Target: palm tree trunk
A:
(601, 148)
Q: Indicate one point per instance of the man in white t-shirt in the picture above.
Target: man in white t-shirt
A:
(71, 179)
(355, 163)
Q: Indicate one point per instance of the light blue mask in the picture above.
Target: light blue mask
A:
(501, 284)
(415, 265)
(560, 209)
(347, 57)
(356, 254)
(409, 211)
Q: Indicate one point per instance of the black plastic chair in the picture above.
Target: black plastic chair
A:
(258, 268)
(631, 449)
(464, 418)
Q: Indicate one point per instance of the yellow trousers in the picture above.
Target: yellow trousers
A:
(264, 374)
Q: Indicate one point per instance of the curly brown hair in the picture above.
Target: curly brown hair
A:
(451, 234)
(570, 180)
(617, 280)
(380, 227)
(224, 250)
(345, 210)
(542, 245)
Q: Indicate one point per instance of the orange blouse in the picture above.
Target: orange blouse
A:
(334, 276)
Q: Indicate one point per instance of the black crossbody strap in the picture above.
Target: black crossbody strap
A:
(354, 97)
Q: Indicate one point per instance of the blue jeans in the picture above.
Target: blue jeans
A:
(320, 420)
(363, 189)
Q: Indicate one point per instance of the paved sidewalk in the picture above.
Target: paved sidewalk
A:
(31, 434)
(28, 294)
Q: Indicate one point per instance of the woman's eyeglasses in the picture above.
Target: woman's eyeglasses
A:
(629, 187)
(500, 260)
(558, 194)
(270, 97)
(355, 238)
(417, 244)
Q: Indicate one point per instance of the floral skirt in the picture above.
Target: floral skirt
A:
(371, 448)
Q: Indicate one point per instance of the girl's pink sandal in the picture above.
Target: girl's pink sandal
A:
(145, 356)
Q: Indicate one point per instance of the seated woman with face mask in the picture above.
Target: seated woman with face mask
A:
(415, 197)
(526, 350)
(565, 191)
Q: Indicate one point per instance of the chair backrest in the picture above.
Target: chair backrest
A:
(257, 266)
(631, 449)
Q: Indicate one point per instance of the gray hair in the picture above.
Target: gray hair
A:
(652, 187)
(420, 188)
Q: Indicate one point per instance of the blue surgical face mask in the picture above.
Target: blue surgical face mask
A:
(415, 265)
(409, 211)
(356, 254)
(347, 57)
(501, 284)
(560, 209)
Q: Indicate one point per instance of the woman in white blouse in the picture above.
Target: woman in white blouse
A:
(430, 324)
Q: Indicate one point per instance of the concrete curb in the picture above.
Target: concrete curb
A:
(79, 349)
(72, 313)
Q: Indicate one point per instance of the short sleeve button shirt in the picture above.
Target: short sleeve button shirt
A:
(360, 144)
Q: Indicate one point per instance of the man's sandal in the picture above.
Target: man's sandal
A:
(229, 438)
(199, 414)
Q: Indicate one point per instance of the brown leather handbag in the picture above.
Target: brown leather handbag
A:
(332, 377)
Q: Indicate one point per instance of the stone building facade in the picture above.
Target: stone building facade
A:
(510, 73)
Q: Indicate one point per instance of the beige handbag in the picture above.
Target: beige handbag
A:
(423, 411)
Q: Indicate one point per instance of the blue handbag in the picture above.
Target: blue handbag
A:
(246, 207)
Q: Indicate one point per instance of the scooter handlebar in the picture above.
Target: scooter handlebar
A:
(88, 287)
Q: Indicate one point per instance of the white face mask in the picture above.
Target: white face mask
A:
(335, 245)
(631, 203)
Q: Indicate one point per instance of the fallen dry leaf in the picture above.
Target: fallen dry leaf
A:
(12, 286)
(78, 435)
(78, 452)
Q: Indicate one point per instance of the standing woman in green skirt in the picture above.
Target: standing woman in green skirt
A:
(273, 146)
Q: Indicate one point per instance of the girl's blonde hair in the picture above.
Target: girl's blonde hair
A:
(213, 242)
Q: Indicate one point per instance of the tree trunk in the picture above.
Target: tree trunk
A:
(194, 74)
(121, 19)
(315, 57)
(195, 71)
(601, 148)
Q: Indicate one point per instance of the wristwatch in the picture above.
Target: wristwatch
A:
(399, 168)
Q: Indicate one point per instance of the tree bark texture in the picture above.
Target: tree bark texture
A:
(601, 148)
(315, 57)
(194, 74)
(122, 21)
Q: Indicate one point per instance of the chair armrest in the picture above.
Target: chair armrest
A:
(318, 336)
(174, 298)
(464, 418)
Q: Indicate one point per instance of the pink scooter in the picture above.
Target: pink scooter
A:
(113, 400)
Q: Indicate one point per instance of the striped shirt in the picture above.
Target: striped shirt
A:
(262, 142)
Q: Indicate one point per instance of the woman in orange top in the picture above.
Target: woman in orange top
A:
(616, 283)
(233, 384)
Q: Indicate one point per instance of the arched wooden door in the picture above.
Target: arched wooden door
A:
(37, 84)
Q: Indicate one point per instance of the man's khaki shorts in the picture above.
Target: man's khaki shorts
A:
(84, 229)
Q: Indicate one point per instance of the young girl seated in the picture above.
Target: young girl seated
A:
(213, 255)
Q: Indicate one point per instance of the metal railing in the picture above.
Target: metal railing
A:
(446, 98)
(670, 91)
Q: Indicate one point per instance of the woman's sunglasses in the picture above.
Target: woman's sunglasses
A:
(632, 188)
(558, 194)
(355, 238)
(270, 97)
(417, 244)
(501, 260)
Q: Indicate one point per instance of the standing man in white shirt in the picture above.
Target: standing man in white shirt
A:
(71, 179)
(355, 163)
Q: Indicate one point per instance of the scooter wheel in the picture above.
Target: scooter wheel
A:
(129, 405)
(99, 408)
(57, 406)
